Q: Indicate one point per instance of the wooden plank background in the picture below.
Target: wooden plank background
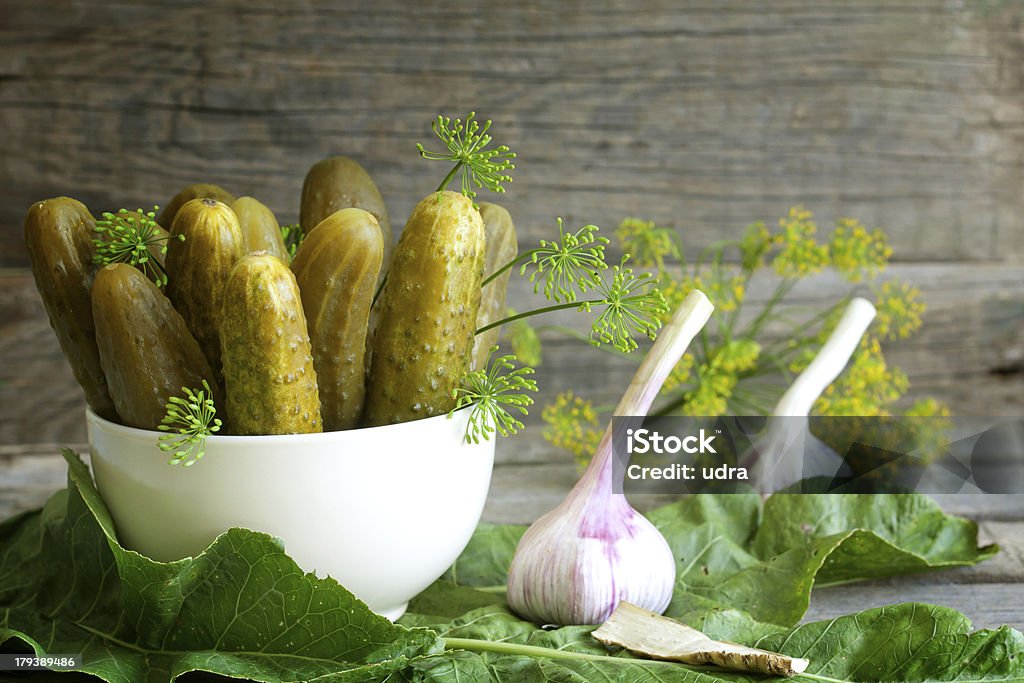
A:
(706, 115)
(908, 115)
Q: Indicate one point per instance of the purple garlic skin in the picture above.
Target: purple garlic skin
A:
(572, 569)
(575, 564)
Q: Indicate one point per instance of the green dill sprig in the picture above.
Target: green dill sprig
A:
(566, 267)
(632, 305)
(127, 237)
(570, 264)
(292, 235)
(491, 392)
(467, 146)
(629, 303)
(192, 419)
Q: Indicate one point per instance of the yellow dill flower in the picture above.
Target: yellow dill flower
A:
(719, 376)
(710, 398)
(867, 387)
(680, 374)
(756, 243)
(524, 340)
(572, 424)
(928, 407)
(899, 309)
(736, 356)
(646, 243)
(675, 292)
(857, 253)
(725, 292)
(930, 424)
(800, 255)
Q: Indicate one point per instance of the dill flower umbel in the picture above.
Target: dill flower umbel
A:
(857, 253)
(756, 243)
(867, 387)
(572, 424)
(899, 310)
(648, 244)
(524, 341)
(734, 368)
(800, 255)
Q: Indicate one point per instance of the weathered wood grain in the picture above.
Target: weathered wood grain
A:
(986, 605)
(908, 115)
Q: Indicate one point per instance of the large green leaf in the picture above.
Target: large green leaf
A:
(907, 642)
(242, 608)
(733, 554)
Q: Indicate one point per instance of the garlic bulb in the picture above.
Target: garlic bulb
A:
(576, 563)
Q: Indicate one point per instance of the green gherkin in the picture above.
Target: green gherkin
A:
(187, 194)
(59, 237)
(502, 247)
(428, 312)
(337, 183)
(198, 268)
(147, 352)
(336, 268)
(269, 378)
(260, 229)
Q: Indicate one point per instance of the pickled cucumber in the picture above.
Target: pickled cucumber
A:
(336, 269)
(428, 312)
(501, 247)
(145, 348)
(269, 379)
(59, 234)
(339, 183)
(198, 268)
(187, 194)
(260, 229)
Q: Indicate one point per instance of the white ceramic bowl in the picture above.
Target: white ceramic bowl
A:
(383, 510)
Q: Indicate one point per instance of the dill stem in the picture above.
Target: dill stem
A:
(539, 311)
(524, 257)
(780, 292)
(451, 175)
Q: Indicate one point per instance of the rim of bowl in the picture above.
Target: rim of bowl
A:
(270, 438)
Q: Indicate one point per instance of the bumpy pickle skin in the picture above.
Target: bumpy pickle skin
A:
(187, 194)
(59, 237)
(339, 183)
(336, 268)
(501, 247)
(198, 268)
(428, 312)
(260, 229)
(145, 348)
(269, 378)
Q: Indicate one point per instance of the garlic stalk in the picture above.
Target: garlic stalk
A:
(789, 453)
(577, 562)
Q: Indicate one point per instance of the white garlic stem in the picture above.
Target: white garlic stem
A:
(829, 362)
(578, 561)
(790, 453)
